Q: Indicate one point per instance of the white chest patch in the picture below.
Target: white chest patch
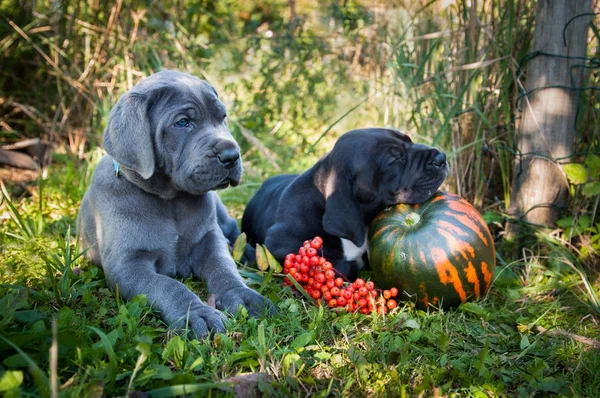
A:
(353, 252)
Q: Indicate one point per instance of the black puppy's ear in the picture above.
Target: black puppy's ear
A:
(343, 214)
(127, 137)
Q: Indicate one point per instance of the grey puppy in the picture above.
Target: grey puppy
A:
(151, 212)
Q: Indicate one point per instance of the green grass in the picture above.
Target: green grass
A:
(107, 346)
(323, 72)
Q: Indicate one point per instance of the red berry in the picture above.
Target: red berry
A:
(298, 258)
(330, 283)
(359, 283)
(391, 304)
(293, 271)
(316, 243)
(327, 295)
(311, 252)
(310, 281)
(298, 276)
(317, 285)
(356, 296)
(314, 261)
(339, 282)
(361, 303)
(305, 260)
(324, 289)
(320, 277)
(386, 294)
(370, 285)
(302, 252)
(327, 266)
(329, 275)
(347, 294)
(304, 268)
(305, 278)
(332, 303)
(393, 292)
(341, 301)
(364, 310)
(316, 294)
(335, 291)
(318, 238)
(363, 291)
(290, 257)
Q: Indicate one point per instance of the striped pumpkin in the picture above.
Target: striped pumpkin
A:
(439, 252)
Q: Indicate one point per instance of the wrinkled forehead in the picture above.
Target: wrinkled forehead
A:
(363, 140)
(174, 91)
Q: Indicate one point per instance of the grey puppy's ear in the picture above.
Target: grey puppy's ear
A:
(343, 215)
(127, 137)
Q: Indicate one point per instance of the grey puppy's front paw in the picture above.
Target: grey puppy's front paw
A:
(243, 296)
(201, 321)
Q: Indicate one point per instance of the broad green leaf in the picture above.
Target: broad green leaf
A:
(591, 189)
(261, 258)
(11, 379)
(291, 362)
(577, 173)
(239, 246)
(585, 221)
(492, 216)
(262, 341)
(592, 161)
(524, 342)
(322, 355)
(303, 340)
(411, 324)
(565, 222)
(273, 263)
(473, 308)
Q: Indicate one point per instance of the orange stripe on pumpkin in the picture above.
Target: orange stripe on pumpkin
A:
(447, 272)
(462, 247)
(382, 230)
(472, 277)
(452, 228)
(437, 199)
(487, 275)
(469, 224)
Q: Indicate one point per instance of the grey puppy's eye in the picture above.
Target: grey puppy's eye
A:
(185, 122)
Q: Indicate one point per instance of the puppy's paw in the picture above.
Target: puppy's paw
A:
(243, 296)
(249, 254)
(201, 321)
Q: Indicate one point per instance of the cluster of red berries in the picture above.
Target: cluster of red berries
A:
(318, 278)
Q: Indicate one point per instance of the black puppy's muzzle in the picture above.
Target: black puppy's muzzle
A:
(228, 153)
(437, 161)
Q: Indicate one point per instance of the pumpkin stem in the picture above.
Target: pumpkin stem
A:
(412, 219)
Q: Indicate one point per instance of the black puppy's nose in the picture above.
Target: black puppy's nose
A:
(228, 153)
(439, 160)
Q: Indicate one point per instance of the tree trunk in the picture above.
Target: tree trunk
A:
(546, 134)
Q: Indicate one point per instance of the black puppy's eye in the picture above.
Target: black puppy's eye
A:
(185, 122)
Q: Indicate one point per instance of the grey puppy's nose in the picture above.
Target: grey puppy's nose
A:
(228, 153)
(439, 159)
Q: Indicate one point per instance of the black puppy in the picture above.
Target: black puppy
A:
(367, 171)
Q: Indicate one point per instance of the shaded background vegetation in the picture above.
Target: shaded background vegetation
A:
(294, 76)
